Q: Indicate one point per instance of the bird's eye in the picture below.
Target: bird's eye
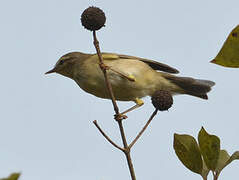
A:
(61, 62)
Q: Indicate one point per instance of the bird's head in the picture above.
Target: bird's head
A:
(65, 64)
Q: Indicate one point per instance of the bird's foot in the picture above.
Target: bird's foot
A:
(139, 102)
(120, 117)
(103, 66)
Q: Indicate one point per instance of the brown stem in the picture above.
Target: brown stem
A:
(143, 129)
(107, 137)
(127, 151)
(118, 116)
(215, 175)
(103, 68)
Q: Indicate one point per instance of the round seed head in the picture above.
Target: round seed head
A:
(93, 18)
(162, 100)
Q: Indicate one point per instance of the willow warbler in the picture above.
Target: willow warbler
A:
(144, 74)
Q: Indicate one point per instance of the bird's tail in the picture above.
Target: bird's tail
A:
(191, 86)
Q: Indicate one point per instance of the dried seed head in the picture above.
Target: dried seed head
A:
(162, 100)
(93, 18)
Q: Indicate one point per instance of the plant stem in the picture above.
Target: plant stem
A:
(143, 129)
(118, 116)
(103, 68)
(215, 175)
(107, 137)
(126, 150)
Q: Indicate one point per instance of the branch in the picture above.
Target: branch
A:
(143, 129)
(118, 117)
(215, 175)
(127, 151)
(107, 137)
(103, 68)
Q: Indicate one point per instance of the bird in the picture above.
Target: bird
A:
(131, 78)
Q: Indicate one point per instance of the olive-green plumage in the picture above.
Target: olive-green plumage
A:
(85, 71)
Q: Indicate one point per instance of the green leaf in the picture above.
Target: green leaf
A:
(234, 156)
(188, 152)
(228, 56)
(205, 170)
(222, 160)
(13, 176)
(210, 148)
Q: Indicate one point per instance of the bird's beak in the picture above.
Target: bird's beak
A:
(51, 71)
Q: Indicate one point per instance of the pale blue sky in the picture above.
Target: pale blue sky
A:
(46, 129)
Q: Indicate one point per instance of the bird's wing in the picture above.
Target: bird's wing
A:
(153, 64)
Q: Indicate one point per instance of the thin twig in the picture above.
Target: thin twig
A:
(107, 137)
(215, 175)
(103, 68)
(118, 116)
(143, 129)
(127, 151)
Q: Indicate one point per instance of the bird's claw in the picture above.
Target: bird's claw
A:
(120, 117)
(103, 66)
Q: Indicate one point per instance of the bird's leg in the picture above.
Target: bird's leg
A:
(139, 102)
(121, 116)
